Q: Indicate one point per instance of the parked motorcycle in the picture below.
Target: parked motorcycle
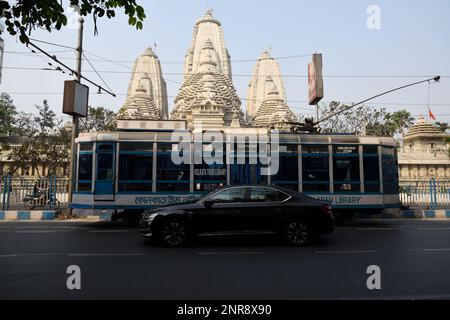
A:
(41, 199)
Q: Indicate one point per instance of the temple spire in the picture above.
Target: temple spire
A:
(147, 74)
(266, 74)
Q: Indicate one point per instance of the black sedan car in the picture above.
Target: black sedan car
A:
(248, 209)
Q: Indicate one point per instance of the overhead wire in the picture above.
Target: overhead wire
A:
(241, 75)
(54, 58)
(98, 74)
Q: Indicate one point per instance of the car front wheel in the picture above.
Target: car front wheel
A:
(297, 232)
(173, 233)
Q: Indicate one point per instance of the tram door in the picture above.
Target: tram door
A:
(105, 172)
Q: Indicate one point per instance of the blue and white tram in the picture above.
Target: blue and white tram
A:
(134, 170)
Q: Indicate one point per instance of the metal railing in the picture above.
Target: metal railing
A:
(52, 193)
(30, 193)
(425, 193)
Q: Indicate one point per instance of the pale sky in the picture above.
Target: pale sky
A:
(413, 42)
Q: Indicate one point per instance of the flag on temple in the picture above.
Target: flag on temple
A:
(431, 115)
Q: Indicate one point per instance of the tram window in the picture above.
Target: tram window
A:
(105, 166)
(287, 175)
(85, 172)
(371, 174)
(315, 149)
(170, 176)
(388, 151)
(136, 146)
(290, 148)
(135, 172)
(390, 175)
(346, 173)
(85, 167)
(165, 146)
(105, 147)
(167, 170)
(370, 149)
(315, 174)
(86, 146)
(315, 169)
(135, 167)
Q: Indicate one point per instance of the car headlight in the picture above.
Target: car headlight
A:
(150, 217)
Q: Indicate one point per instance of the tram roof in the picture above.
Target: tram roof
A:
(284, 138)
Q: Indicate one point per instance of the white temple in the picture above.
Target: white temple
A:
(424, 153)
(147, 92)
(266, 72)
(207, 95)
(207, 28)
(273, 111)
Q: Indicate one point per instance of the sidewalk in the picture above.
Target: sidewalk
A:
(47, 215)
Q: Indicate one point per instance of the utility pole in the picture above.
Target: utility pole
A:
(317, 111)
(75, 117)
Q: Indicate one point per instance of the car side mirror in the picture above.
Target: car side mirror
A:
(208, 203)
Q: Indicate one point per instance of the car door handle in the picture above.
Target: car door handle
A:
(237, 211)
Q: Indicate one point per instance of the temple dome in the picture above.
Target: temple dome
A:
(207, 29)
(422, 128)
(209, 98)
(207, 95)
(147, 73)
(273, 111)
(265, 72)
(208, 58)
(208, 17)
(139, 105)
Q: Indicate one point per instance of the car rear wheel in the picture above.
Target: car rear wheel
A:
(173, 233)
(297, 232)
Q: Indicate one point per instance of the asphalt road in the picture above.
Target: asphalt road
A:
(414, 258)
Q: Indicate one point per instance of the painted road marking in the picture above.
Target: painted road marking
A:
(230, 253)
(30, 255)
(376, 229)
(108, 231)
(347, 251)
(35, 231)
(70, 254)
(437, 250)
(104, 254)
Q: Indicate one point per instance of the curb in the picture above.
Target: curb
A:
(24, 215)
(413, 214)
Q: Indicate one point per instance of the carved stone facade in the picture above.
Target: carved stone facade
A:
(207, 95)
(424, 154)
(273, 112)
(147, 92)
(265, 73)
(207, 28)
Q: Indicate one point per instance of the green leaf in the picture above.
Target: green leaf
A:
(132, 21)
